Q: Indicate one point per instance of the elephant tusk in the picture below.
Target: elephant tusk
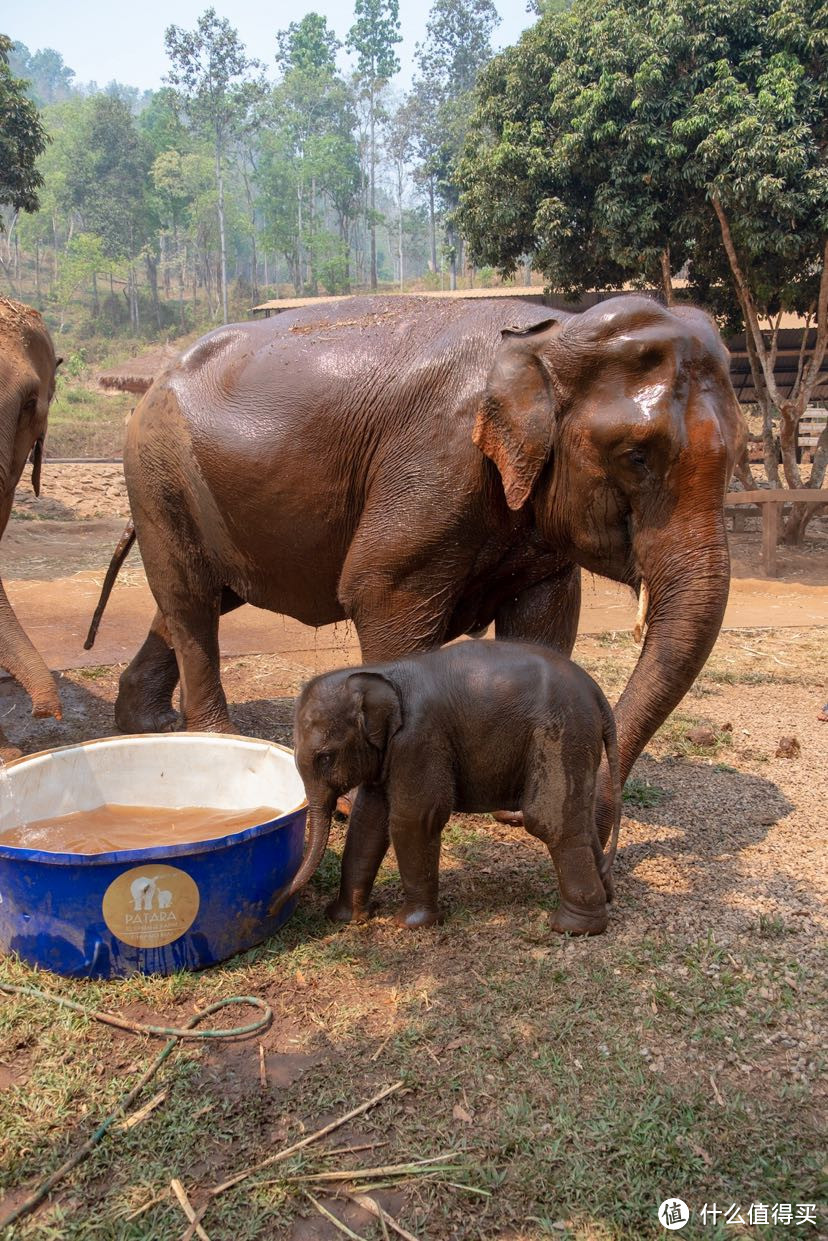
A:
(641, 615)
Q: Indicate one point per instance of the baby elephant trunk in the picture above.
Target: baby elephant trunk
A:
(320, 815)
(611, 748)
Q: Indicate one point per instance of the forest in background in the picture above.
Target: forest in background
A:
(166, 211)
(619, 143)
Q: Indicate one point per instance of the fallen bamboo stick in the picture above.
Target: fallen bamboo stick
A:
(187, 1207)
(287, 1152)
(394, 1169)
(335, 1220)
(380, 1213)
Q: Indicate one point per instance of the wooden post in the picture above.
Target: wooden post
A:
(770, 535)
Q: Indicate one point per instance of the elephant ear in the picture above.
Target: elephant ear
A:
(515, 422)
(379, 711)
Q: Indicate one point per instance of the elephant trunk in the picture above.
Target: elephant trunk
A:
(19, 657)
(320, 813)
(688, 580)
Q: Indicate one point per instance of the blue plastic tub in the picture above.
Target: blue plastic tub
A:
(155, 910)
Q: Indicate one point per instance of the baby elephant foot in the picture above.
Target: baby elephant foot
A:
(342, 910)
(569, 920)
(415, 916)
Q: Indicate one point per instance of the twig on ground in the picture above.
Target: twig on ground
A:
(262, 1067)
(337, 1223)
(375, 1055)
(288, 1151)
(716, 1092)
(394, 1169)
(187, 1207)
(142, 1113)
(380, 1213)
(469, 1189)
(153, 1202)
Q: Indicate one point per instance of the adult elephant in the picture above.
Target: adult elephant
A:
(27, 384)
(426, 468)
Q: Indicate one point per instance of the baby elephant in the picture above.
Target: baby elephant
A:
(479, 726)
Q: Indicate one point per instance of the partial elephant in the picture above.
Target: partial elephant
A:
(27, 384)
(425, 468)
(472, 727)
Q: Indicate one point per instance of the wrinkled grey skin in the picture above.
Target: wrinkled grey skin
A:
(428, 468)
(473, 727)
(27, 384)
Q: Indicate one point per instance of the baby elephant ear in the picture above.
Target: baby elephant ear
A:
(379, 711)
(516, 419)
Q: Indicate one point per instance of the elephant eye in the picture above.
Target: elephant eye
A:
(324, 759)
(637, 456)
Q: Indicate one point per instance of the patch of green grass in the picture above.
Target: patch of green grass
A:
(572, 1079)
(673, 735)
(642, 794)
(84, 421)
(771, 926)
(94, 672)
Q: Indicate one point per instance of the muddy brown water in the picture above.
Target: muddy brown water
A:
(111, 827)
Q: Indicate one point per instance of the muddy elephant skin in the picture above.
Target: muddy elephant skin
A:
(27, 384)
(425, 468)
(472, 727)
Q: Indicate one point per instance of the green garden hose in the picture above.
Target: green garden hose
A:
(171, 1033)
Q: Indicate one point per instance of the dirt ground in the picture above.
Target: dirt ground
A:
(571, 1086)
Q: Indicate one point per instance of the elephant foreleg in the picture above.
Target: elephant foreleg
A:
(546, 613)
(365, 846)
(416, 840)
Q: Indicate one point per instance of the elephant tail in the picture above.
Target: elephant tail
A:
(611, 747)
(118, 557)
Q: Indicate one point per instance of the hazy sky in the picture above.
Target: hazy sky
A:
(106, 39)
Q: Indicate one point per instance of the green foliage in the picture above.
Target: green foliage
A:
(373, 36)
(307, 45)
(22, 139)
(107, 178)
(49, 80)
(600, 137)
(642, 794)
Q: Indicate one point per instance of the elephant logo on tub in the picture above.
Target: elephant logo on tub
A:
(145, 892)
(148, 907)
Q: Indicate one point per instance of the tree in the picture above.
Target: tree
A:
(309, 169)
(107, 182)
(49, 79)
(457, 45)
(373, 37)
(399, 145)
(22, 140)
(627, 138)
(205, 64)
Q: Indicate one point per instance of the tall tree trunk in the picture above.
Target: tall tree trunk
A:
(222, 240)
(400, 226)
(666, 277)
(372, 161)
(432, 224)
(152, 276)
(37, 274)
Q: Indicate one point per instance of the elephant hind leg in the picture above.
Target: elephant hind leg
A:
(563, 818)
(145, 690)
(147, 685)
